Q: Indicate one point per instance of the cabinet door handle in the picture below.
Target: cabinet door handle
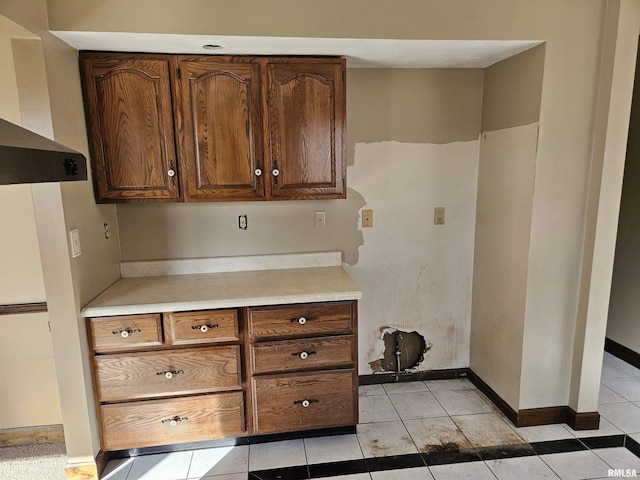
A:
(127, 332)
(303, 355)
(258, 172)
(305, 403)
(172, 173)
(174, 421)
(301, 320)
(275, 172)
(204, 328)
(170, 373)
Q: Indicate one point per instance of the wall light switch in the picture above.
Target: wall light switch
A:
(367, 218)
(438, 216)
(75, 243)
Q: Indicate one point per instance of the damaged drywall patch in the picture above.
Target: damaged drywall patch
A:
(402, 350)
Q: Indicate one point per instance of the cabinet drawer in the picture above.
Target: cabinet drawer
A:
(300, 320)
(303, 354)
(176, 420)
(193, 328)
(304, 401)
(126, 332)
(161, 373)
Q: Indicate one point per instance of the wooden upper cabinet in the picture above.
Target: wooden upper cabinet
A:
(219, 125)
(246, 128)
(130, 124)
(306, 112)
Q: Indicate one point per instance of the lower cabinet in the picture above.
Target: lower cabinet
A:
(173, 420)
(303, 401)
(177, 377)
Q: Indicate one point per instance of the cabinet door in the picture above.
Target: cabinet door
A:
(220, 127)
(130, 126)
(306, 111)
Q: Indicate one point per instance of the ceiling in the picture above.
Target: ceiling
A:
(360, 53)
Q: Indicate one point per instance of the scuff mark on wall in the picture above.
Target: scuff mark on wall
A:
(402, 350)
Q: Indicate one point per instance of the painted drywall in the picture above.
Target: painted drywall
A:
(26, 350)
(416, 276)
(513, 90)
(58, 208)
(623, 325)
(613, 104)
(508, 148)
(403, 163)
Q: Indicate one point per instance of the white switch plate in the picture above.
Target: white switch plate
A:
(75, 243)
(318, 221)
(438, 216)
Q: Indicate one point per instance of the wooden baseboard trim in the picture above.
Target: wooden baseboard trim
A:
(583, 420)
(494, 397)
(13, 437)
(417, 376)
(18, 308)
(622, 352)
(530, 417)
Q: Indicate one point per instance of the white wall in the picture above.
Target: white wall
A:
(58, 208)
(26, 351)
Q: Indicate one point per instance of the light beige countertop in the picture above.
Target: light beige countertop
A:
(226, 289)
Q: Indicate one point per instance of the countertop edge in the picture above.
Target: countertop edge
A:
(217, 304)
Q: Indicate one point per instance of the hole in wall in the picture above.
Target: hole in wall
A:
(402, 351)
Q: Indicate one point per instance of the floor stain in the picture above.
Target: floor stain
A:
(441, 447)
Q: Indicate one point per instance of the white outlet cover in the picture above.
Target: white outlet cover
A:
(76, 251)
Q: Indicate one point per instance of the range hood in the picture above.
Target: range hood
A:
(26, 157)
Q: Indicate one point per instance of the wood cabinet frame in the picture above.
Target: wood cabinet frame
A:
(278, 133)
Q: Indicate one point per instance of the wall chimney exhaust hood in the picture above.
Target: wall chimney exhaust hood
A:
(26, 157)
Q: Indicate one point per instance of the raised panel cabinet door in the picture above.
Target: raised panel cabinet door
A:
(306, 111)
(130, 123)
(220, 127)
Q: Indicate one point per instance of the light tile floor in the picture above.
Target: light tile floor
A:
(406, 419)
(408, 422)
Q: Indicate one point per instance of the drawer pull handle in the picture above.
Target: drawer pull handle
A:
(126, 333)
(174, 421)
(301, 320)
(303, 355)
(205, 328)
(305, 403)
(169, 374)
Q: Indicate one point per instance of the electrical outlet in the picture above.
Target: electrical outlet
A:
(318, 220)
(438, 216)
(107, 234)
(75, 243)
(367, 218)
(243, 222)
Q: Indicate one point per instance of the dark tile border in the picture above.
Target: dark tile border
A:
(395, 462)
(399, 462)
(558, 446)
(300, 472)
(451, 456)
(507, 451)
(604, 442)
(334, 469)
(632, 445)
